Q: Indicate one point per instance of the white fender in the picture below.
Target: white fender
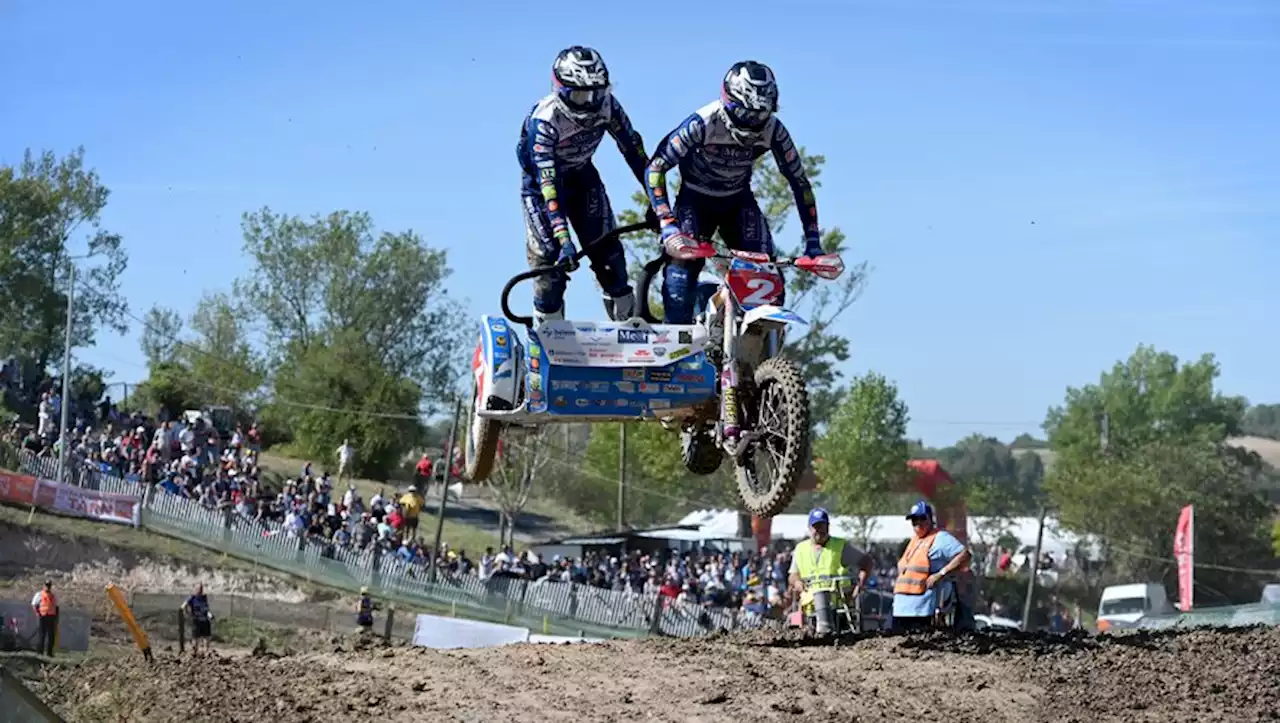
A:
(768, 312)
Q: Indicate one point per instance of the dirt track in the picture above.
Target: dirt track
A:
(1190, 676)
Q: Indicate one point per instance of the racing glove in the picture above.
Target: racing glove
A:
(650, 217)
(813, 245)
(568, 250)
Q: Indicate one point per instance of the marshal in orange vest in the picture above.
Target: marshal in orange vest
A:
(913, 567)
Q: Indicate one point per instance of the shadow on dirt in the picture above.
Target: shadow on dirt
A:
(984, 643)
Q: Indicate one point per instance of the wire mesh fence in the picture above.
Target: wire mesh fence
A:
(557, 608)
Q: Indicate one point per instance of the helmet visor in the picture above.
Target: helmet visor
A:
(746, 117)
(584, 99)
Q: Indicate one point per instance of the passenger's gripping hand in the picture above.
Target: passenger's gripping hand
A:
(567, 253)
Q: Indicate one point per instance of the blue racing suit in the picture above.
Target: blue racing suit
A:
(561, 186)
(715, 194)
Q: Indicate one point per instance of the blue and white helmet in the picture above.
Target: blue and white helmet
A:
(581, 82)
(750, 97)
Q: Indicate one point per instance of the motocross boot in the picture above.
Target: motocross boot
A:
(540, 318)
(620, 308)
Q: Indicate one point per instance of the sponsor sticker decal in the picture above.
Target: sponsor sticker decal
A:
(633, 336)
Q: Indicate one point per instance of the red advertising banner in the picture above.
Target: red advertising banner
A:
(1184, 554)
(67, 499)
(17, 489)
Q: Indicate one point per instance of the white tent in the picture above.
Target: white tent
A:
(890, 529)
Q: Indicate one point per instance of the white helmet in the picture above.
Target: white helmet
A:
(581, 82)
(750, 97)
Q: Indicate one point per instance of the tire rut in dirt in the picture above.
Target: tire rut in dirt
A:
(785, 376)
(1187, 675)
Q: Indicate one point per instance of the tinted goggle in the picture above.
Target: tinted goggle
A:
(748, 117)
(584, 98)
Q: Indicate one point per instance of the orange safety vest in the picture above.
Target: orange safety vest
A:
(913, 567)
(48, 604)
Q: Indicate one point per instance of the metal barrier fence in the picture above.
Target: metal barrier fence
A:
(1227, 615)
(543, 606)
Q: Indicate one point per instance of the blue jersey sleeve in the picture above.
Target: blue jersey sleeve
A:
(629, 141)
(679, 143)
(792, 167)
(542, 137)
(945, 546)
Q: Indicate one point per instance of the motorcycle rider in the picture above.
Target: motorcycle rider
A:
(715, 149)
(561, 185)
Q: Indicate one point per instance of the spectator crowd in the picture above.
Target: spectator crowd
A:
(188, 457)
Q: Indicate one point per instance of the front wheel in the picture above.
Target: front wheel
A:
(482, 440)
(778, 409)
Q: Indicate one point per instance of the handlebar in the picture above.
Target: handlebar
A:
(827, 266)
(560, 266)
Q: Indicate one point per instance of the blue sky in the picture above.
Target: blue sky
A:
(1039, 186)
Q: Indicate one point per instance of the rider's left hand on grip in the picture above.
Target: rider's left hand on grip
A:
(651, 218)
(568, 256)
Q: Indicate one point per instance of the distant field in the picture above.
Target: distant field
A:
(1267, 449)
(1046, 455)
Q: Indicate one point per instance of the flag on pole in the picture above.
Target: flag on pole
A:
(1184, 554)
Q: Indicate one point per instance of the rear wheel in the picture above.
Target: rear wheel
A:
(778, 409)
(482, 439)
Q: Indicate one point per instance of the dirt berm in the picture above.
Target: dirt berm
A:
(1228, 675)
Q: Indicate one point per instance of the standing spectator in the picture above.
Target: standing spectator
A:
(46, 607)
(346, 458)
(197, 607)
(364, 611)
(411, 504)
(422, 472)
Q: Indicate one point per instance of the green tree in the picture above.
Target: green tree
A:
(1262, 420)
(339, 389)
(220, 356)
(213, 364)
(986, 459)
(1165, 448)
(312, 279)
(817, 347)
(659, 486)
(167, 390)
(523, 462)
(996, 502)
(161, 329)
(50, 211)
(862, 457)
(354, 320)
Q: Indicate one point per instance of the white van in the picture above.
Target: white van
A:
(1126, 604)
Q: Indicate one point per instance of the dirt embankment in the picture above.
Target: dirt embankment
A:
(81, 566)
(1186, 676)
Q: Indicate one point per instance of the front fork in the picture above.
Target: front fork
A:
(731, 435)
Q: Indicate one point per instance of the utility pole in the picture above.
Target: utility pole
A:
(66, 380)
(444, 492)
(622, 476)
(1035, 570)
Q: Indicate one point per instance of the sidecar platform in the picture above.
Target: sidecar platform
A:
(575, 371)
